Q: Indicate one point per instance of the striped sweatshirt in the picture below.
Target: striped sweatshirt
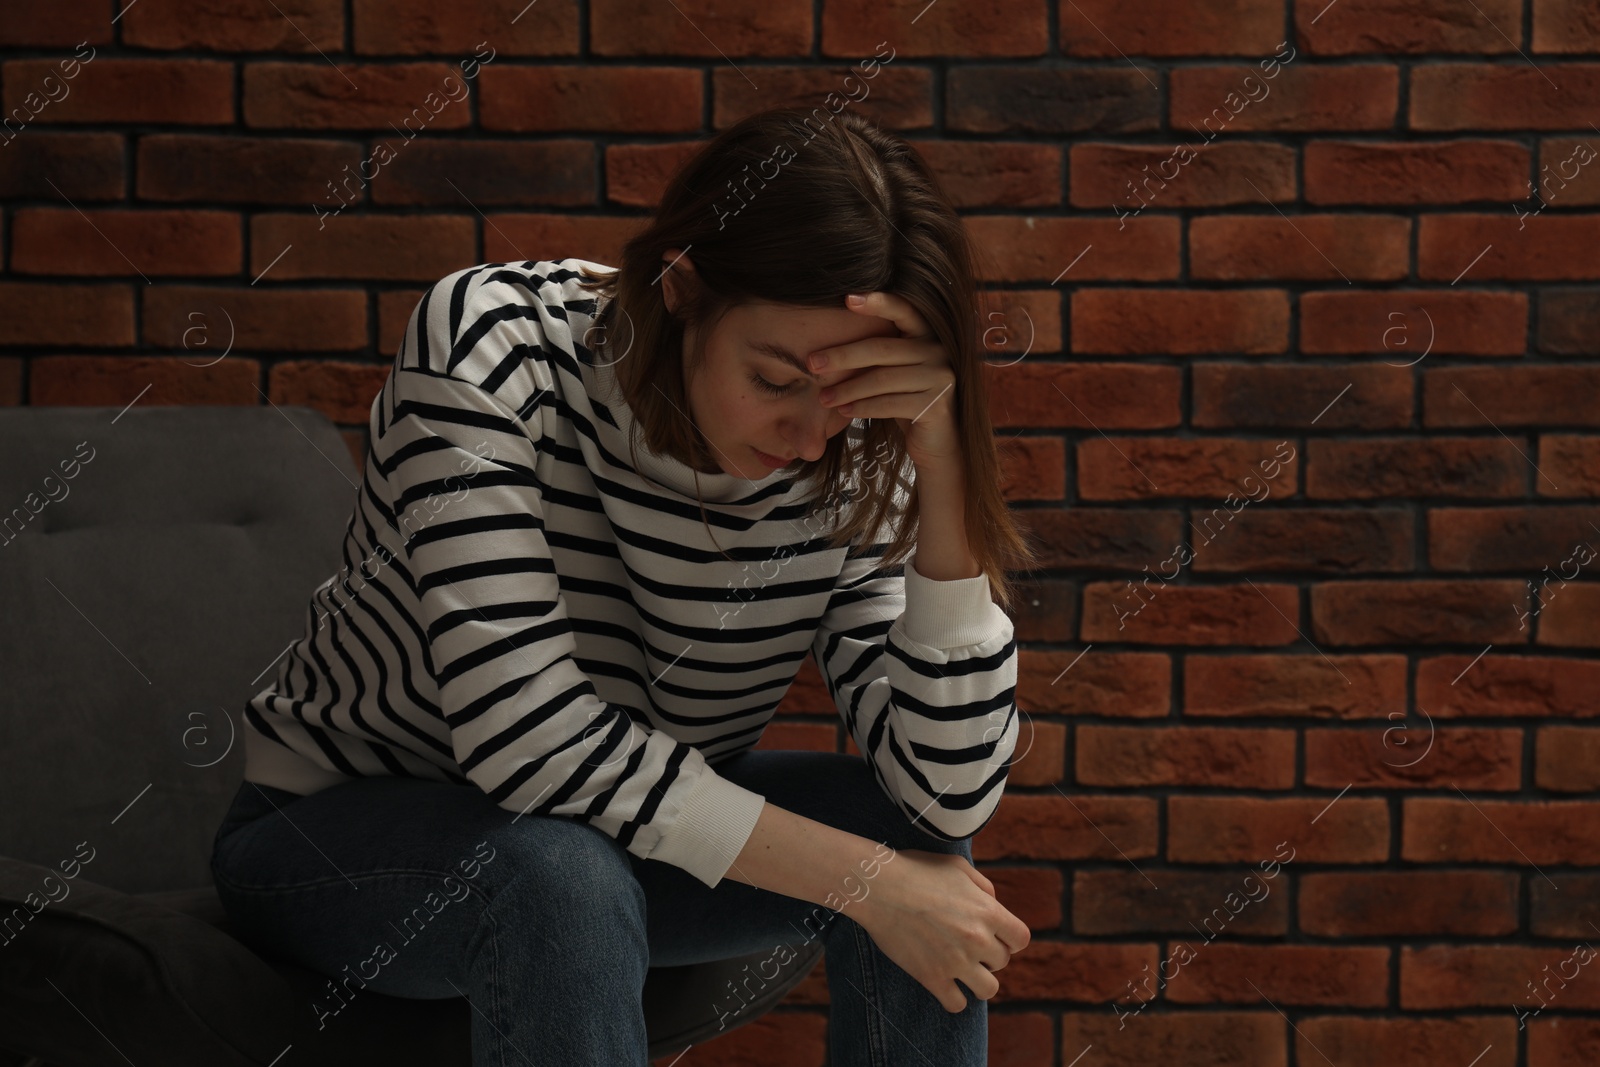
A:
(523, 610)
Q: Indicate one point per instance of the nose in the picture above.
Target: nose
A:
(808, 432)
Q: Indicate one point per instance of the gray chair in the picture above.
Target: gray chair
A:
(153, 564)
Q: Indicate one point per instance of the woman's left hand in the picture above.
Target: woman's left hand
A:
(909, 379)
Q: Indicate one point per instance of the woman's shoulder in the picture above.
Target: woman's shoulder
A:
(489, 322)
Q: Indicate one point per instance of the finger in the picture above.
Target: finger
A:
(884, 350)
(911, 381)
(997, 957)
(897, 309)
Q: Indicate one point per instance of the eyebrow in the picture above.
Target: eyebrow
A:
(778, 351)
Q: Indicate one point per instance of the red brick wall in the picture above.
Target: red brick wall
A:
(1344, 305)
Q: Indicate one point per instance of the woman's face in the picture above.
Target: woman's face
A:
(739, 416)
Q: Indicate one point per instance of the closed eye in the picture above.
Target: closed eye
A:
(771, 387)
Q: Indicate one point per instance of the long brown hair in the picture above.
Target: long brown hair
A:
(802, 207)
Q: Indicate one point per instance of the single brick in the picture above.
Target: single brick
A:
(852, 28)
(618, 100)
(1569, 321)
(1561, 904)
(1567, 759)
(1210, 101)
(1102, 100)
(1571, 463)
(1325, 396)
(1502, 96)
(1508, 832)
(1408, 326)
(1146, 613)
(1368, 26)
(1091, 682)
(1342, 976)
(1437, 172)
(978, 174)
(1362, 904)
(52, 313)
(1373, 248)
(1180, 321)
(205, 321)
(116, 381)
(1408, 467)
(235, 26)
(47, 164)
(1184, 755)
(1409, 1041)
(1482, 248)
(1130, 177)
(635, 28)
(403, 99)
(1310, 685)
(1258, 1038)
(1121, 901)
(212, 167)
(1065, 251)
(480, 31)
(1052, 395)
(1460, 976)
(105, 90)
(1544, 543)
(1108, 29)
(446, 173)
(1130, 468)
(897, 96)
(1509, 686)
(1206, 829)
(1487, 398)
(1415, 611)
(1307, 540)
(1402, 758)
(390, 247)
(116, 242)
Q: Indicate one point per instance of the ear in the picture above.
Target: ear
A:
(677, 273)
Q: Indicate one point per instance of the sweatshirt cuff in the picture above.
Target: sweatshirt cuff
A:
(716, 819)
(951, 614)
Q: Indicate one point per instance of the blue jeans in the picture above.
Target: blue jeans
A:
(547, 925)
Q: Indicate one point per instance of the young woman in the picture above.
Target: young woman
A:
(604, 517)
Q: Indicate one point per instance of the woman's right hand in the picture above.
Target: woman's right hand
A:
(937, 917)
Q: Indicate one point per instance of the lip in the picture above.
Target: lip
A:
(772, 461)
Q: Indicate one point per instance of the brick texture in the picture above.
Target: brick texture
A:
(1291, 319)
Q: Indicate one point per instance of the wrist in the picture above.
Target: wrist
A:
(873, 879)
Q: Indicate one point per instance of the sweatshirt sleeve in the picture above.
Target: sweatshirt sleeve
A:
(924, 675)
(526, 724)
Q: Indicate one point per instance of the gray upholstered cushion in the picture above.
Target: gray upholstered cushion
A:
(142, 606)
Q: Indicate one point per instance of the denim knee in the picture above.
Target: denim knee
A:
(575, 877)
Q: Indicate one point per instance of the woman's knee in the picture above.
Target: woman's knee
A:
(563, 869)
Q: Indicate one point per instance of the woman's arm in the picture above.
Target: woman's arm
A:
(935, 915)
(943, 553)
(803, 858)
